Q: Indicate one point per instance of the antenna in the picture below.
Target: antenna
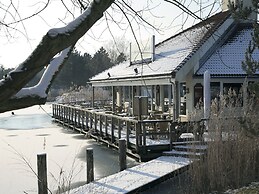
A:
(200, 8)
(130, 53)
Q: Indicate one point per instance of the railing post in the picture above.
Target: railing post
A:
(53, 110)
(89, 165)
(58, 112)
(78, 118)
(137, 127)
(101, 125)
(144, 134)
(171, 135)
(42, 173)
(64, 115)
(72, 115)
(112, 129)
(106, 125)
(83, 119)
(95, 121)
(91, 120)
(86, 119)
(69, 115)
(127, 133)
(122, 154)
(119, 128)
(74, 118)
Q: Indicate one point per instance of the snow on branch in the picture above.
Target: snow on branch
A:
(41, 88)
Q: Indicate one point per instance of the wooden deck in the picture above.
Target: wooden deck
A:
(138, 178)
(145, 139)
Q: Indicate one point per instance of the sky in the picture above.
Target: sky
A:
(21, 39)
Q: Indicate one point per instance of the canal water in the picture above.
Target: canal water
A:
(31, 131)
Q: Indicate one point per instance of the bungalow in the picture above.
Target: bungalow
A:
(172, 78)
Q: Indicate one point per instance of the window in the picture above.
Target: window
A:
(214, 90)
(198, 94)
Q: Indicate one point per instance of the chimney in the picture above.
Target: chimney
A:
(246, 3)
(153, 48)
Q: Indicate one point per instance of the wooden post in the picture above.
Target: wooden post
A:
(112, 130)
(79, 118)
(119, 128)
(87, 119)
(93, 97)
(144, 134)
(69, 115)
(58, 111)
(95, 121)
(122, 154)
(171, 135)
(64, 115)
(72, 115)
(42, 173)
(89, 165)
(101, 125)
(91, 120)
(113, 99)
(74, 119)
(83, 119)
(53, 110)
(137, 127)
(106, 125)
(127, 133)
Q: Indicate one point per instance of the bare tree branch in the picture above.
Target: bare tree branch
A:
(38, 93)
(52, 43)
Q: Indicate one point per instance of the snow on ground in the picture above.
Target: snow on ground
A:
(135, 177)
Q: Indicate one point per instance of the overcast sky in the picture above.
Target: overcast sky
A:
(17, 45)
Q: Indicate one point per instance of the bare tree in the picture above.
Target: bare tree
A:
(57, 44)
(55, 41)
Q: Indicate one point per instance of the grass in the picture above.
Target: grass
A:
(253, 188)
(232, 158)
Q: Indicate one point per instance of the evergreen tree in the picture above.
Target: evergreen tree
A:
(121, 57)
(101, 61)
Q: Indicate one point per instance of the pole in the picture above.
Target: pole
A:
(89, 165)
(207, 98)
(122, 154)
(42, 173)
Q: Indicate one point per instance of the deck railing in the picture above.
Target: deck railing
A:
(141, 135)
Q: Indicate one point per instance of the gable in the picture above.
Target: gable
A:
(227, 59)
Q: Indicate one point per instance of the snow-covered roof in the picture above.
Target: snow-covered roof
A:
(170, 54)
(227, 59)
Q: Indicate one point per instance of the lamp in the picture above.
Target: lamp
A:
(136, 70)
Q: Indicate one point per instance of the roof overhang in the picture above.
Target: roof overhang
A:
(152, 80)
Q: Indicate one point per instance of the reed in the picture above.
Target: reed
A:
(232, 158)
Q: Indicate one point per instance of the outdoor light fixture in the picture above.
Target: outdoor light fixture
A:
(109, 75)
(136, 70)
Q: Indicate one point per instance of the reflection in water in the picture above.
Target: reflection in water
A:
(43, 135)
(60, 146)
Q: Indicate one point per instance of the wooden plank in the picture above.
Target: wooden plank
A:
(138, 178)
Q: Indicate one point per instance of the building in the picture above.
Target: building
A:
(172, 78)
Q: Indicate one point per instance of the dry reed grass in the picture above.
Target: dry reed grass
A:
(232, 158)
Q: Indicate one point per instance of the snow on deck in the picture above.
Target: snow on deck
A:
(135, 177)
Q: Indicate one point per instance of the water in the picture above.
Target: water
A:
(31, 131)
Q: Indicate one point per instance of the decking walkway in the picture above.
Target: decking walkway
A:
(138, 178)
